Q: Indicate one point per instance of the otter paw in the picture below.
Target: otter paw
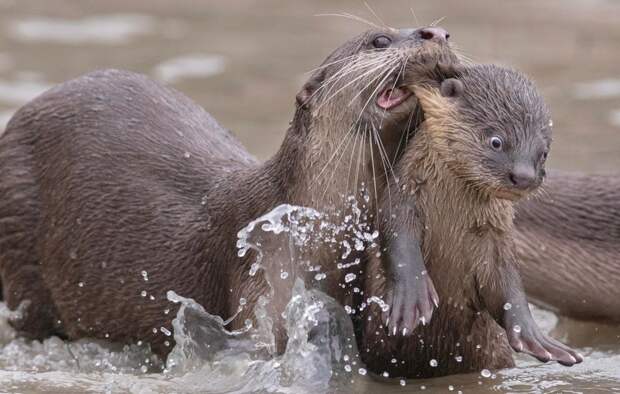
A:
(410, 303)
(533, 342)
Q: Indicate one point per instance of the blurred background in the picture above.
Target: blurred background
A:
(244, 60)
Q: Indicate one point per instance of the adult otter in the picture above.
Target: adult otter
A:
(482, 145)
(568, 239)
(114, 190)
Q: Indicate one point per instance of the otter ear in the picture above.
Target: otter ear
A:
(451, 88)
(309, 88)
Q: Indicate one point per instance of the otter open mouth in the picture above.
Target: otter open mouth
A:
(390, 98)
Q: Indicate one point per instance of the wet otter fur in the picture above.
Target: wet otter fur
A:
(482, 146)
(114, 190)
(568, 240)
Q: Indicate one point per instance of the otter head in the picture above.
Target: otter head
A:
(492, 128)
(356, 107)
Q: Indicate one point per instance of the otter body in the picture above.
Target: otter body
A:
(114, 190)
(482, 145)
(568, 240)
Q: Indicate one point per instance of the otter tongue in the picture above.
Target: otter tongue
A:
(390, 98)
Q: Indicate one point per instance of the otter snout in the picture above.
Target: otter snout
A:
(433, 34)
(523, 176)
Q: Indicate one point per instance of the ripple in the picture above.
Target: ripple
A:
(600, 89)
(102, 29)
(190, 66)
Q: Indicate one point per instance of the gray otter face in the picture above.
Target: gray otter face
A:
(365, 78)
(506, 130)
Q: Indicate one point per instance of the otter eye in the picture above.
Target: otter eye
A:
(496, 143)
(382, 42)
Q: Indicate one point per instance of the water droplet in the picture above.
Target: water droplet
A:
(320, 276)
(284, 275)
(81, 284)
(347, 368)
(451, 388)
(403, 382)
(516, 328)
(165, 331)
(433, 363)
(242, 301)
(350, 277)
(143, 293)
(393, 361)
(485, 373)
(187, 155)
(145, 276)
(385, 374)
(458, 359)
(362, 371)
(507, 306)
(144, 369)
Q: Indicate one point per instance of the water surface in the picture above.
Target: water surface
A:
(244, 61)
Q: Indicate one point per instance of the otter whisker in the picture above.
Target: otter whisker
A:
(342, 142)
(437, 21)
(352, 17)
(349, 138)
(368, 84)
(357, 134)
(374, 176)
(377, 65)
(386, 165)
(372, 95)
(375, 14)
(361, 159)
(404, 136)
(415, 18)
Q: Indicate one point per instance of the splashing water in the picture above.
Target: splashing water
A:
(320, 356)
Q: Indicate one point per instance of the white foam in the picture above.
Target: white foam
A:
(190, 66)
(600, 89)
(101, 29)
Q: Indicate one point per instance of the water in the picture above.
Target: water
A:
(244, 62)
(321, 354)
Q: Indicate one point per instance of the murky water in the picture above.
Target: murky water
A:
(244, 61)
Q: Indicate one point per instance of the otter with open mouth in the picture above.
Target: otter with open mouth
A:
(481, 147)
(114, 190)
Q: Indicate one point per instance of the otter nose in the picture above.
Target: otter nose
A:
(433, 33)
(522, 176)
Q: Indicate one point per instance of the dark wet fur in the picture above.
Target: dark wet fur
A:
(111, 174)
(451, 178)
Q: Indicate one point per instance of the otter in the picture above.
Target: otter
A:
(114, 190)
(481, 147)
(568, 240)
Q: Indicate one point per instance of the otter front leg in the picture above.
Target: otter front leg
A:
(411, 294)
(503, 296)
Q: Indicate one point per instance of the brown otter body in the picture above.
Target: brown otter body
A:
(568, 240)
(114, 190)
(479, 148)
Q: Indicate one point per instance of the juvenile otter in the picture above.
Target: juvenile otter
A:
(114, 190)
(482, 146)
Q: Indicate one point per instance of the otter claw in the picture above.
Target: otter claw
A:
(543, 348)
(410, 305)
